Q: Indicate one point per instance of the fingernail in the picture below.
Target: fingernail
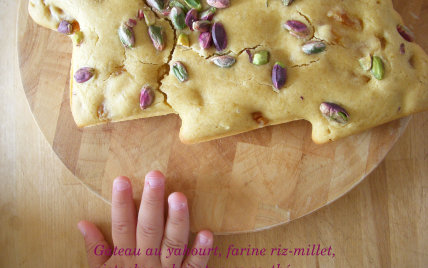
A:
(154, 182)
(203, 240)
(81, 230)
(120, 185)
(176, 205)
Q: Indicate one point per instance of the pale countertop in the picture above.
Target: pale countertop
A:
(381, 223)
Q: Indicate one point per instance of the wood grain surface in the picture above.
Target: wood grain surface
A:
(381, 223)
(242, 183)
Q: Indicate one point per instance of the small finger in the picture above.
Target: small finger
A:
(203, 244)
(123, 214)
(176, 234)
(151, 216)
(95, 243)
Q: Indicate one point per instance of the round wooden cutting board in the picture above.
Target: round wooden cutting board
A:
(243, 183)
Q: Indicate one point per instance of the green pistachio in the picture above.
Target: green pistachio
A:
(178, 18)
(157, 34)
(180, 71)
(366, 62)
(126, 36)
(178, 4)
(196, 4)
(314, 47)
(287, 2)
(378, 69)
(224, 61)
(261, 58)
(149, 17)
(183, 40)
(78, 38)
(157, 4)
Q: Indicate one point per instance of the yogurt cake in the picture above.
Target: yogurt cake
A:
(226, 67)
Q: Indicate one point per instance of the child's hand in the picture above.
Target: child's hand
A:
(148, 231)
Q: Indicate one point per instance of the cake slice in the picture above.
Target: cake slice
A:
(119, 74)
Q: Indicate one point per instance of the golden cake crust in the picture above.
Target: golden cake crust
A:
(217, 102)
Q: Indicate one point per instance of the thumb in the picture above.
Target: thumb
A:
(94, 243)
